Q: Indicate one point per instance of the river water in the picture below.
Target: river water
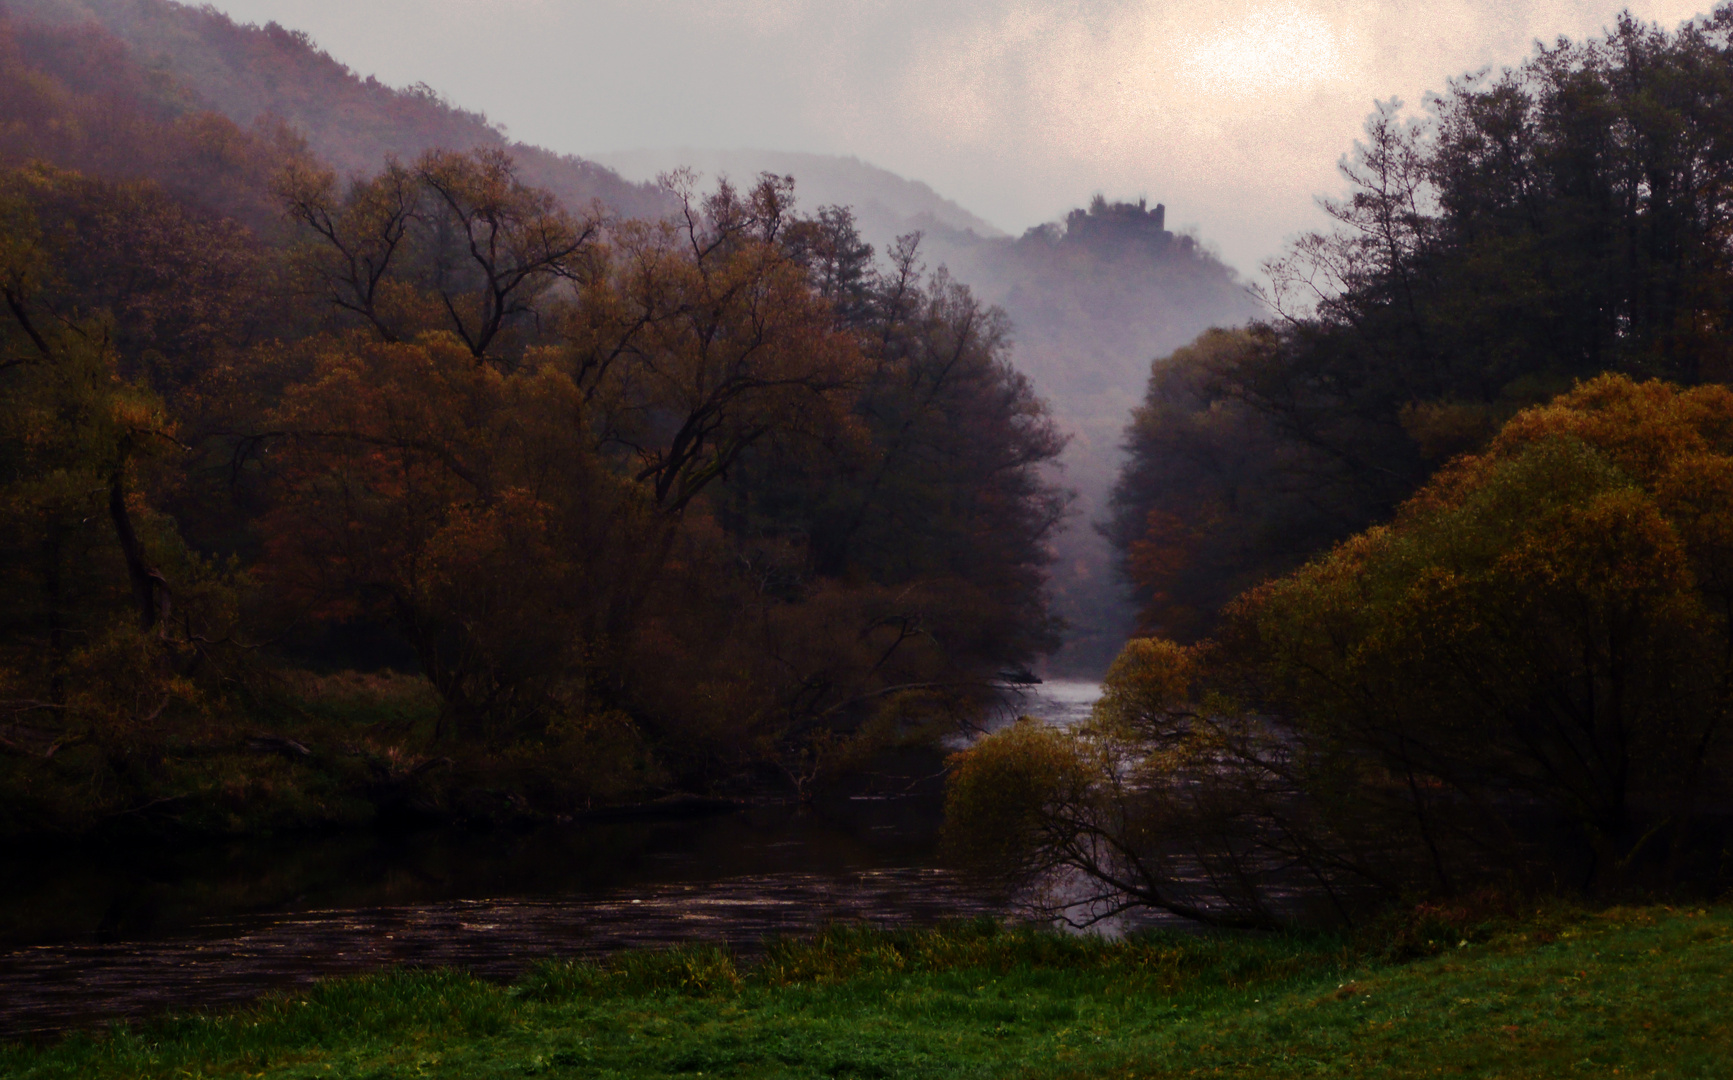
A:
(92, 936)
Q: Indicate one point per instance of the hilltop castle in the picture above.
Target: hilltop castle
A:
(1120, 219)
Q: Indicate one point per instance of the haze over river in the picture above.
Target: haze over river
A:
(93, 935)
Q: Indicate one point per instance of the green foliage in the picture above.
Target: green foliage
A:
(1149, 804)
(690, 971)
(1544, 620)
(1555, 993)
(999, 791)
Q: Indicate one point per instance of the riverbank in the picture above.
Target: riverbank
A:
(1625, 991)
(349, 752)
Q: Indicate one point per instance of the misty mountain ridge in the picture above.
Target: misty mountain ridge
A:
(885, 204)
(1092, 298)
(255, 75)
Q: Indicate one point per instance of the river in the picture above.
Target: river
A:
(91, 936)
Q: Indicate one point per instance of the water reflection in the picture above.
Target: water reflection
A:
(93, 935)
(1062, 701)
(52, 987)
(109, 934)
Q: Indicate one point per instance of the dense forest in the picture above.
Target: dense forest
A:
(1544, 225)
(719, 500)
(1434, 561)
(1089, 305)
(1092, 297)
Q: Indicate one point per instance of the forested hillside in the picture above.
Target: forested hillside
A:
(885, 205)
(608, 507)
(258, 77)
(1091, 299)
(76, 96)
(1089, 306)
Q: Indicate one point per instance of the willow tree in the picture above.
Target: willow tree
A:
(1524, 677)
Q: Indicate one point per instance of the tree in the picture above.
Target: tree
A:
(466, 506)
(708, 499)
(1549, 223)
(1544, 624)
(457, 239)
(705, 337)
(1523, 678)
(919, 533)
(109, 624)
(464, 498)
(1214, 495)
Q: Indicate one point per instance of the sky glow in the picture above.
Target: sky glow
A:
(1233, 112)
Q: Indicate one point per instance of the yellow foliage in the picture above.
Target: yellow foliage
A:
(1548, 617)
(1000, 789)
(1149, 680)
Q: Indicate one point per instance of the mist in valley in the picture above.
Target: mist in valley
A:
(1090, 307)
(590, 493)
(1093, 296)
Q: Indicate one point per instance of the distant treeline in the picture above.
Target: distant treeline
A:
(715, 501)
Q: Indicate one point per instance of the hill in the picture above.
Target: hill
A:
(1092, 299)
(885, 205)
(209, 108)
(257, 75)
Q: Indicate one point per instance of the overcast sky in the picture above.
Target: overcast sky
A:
(1233, 112)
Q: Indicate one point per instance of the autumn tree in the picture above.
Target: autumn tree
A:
(898, 558)
(111, 629)
(706, 337)
(74, 96)
(456, 240)
(1522, 678)
(710, 499)
(466, 507)
(463, 497)
(1548, 223)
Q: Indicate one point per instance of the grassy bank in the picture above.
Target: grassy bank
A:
(1626, 992)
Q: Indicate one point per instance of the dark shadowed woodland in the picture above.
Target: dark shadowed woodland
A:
(435, 483)
(362, 465)
(1430, 559)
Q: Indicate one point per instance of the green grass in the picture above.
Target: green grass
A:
(1622, 992)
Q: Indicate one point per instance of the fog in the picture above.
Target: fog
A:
(1232, 112)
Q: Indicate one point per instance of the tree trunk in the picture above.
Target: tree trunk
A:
(149, 590)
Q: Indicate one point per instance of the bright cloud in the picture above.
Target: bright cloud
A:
(1269, 50)
(1233, 112)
